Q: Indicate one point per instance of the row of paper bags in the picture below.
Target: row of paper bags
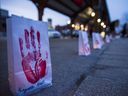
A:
(84, 44)
(29, 61)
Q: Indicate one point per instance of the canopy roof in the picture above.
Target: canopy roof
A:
(77, 10)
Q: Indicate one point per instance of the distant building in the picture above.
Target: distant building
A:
(3, 16)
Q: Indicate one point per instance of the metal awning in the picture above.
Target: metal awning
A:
(77, 9)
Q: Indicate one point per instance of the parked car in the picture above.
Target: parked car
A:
(66, 32)
(75, 33)
(54, 34)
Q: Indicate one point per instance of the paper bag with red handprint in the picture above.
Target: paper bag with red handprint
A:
(107, 39)
(29, 61)
(97, 40)
(84, 47)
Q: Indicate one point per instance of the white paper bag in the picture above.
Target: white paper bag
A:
(101, 39)
(107, 39)
(97, 40)
(84, 47)
(29, 61)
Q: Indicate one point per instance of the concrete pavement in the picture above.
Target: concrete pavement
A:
(110, 75)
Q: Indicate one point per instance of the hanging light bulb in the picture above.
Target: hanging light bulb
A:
(93, 14)
(81, 25)
(73, 25)
(99, 20)
(86, 28)
(102, 34)
(68, 22)
(77, 27)
(102, 24)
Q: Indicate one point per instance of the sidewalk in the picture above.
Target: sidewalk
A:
(110, 75)
(102, 72)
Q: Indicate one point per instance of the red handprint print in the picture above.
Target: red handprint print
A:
(96, 39)
(97, 42)
(86, 48)
(33, 74)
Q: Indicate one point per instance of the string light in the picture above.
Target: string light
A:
(102, 34)
(68, 22)
(99, 20)
(102, 24)
(86, 28)
(93, 14)
(77, 27)
(81, 25)
(73, 25)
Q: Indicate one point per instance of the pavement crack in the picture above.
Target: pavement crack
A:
(79, 80)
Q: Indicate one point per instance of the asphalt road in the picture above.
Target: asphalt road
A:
(103, 73)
